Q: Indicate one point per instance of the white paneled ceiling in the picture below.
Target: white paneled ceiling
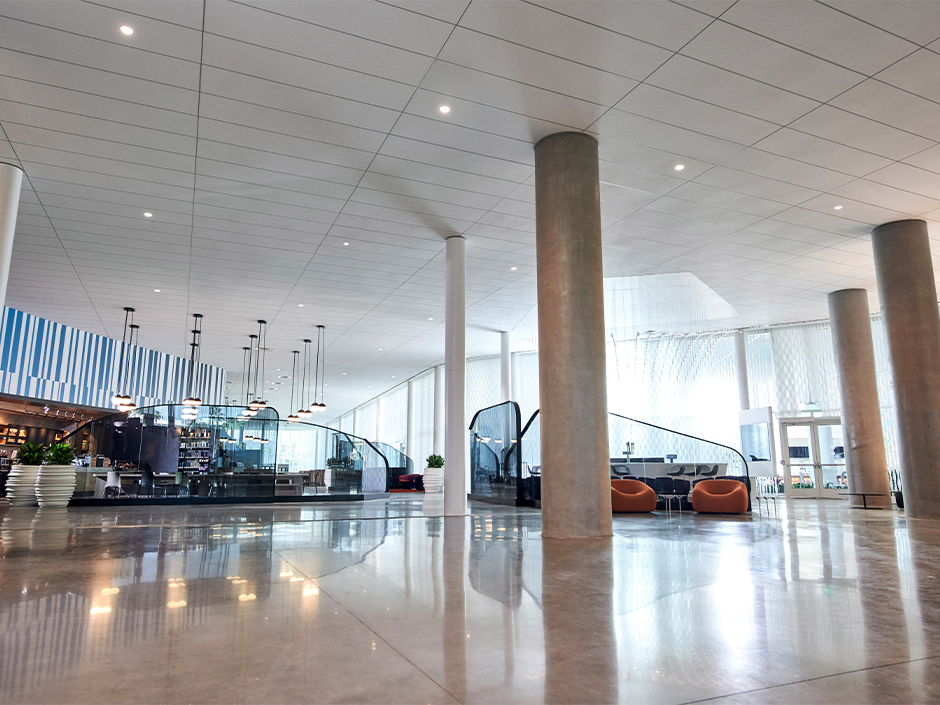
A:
(299, 170)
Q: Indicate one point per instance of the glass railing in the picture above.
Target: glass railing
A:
(667, 460)
(217, 455)
(494, 467)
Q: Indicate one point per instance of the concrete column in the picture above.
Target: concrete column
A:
(865, 457)
(410, 421)
(438, 410)
(572, 355)
(11, 178)
(908, 296)
(505, 370)
(740, 366)
(455, 365)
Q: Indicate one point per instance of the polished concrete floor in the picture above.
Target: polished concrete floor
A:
(388, 602)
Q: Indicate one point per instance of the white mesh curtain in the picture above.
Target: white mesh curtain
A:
(424, 419)
(482, 384)
(394, 423)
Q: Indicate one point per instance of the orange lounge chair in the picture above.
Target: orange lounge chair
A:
(631, 496)
(720, 497)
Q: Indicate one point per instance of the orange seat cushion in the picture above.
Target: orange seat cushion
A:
(720, 497)
(631, 496)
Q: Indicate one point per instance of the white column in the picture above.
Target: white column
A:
(505, 371)
(740, 366)
(11, 178)
(356, 424)
(410, 422)
(455, 363)
(514, 377)
(438, 409)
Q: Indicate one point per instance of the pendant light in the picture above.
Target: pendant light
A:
(191, 400)
(120, 397)
(251, 407)
(293, 418)
(127, 404)
(321, 333)
(257, 404)
(305, 412)
(241, 414)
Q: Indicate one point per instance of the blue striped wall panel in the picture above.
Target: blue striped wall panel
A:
(52, 361)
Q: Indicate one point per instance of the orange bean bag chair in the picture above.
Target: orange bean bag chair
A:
(631, 496)
(720, 497)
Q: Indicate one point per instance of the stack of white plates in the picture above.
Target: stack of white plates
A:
(55, 485)
(21, 485)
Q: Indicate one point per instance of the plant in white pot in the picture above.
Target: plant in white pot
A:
(56, 481)
(21, 483)
(434, 474)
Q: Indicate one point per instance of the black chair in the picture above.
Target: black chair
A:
(678, 472)
(651, 481)
(706, 472)
(664, 485)
(681, 487)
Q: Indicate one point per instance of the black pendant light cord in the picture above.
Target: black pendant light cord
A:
(244, 394)
(293, 381)
(128, 363)
(264, 355)
(316, 384)
(128, 366)
(323, 375)
(303, 386)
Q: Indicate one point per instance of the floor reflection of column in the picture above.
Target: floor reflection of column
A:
(577, 613)
(455, 618)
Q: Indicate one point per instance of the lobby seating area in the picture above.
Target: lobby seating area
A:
(631, 496)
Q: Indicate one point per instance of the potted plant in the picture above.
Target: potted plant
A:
(21, 484)
(434, 474)
(56, 481)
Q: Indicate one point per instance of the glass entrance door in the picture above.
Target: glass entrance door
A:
(814, 458)
(799, 459)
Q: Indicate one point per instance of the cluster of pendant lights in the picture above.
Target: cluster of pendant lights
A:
(307, 407)
(253, 401)
(122, 400)
(192, 403)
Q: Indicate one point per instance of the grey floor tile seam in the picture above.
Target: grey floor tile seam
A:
(375, 634)
(810, 680)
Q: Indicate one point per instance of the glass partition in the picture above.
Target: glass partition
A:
(669, 461)
(215, 454)
(494, 467)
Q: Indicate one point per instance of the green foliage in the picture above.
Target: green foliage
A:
(60, 454)
(435, 461)
(31, 454)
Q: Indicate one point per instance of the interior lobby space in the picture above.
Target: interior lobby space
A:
(477, 351)
(389, 601)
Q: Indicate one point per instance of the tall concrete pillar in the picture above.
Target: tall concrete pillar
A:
(863, 436)
(908, 296)
(740, 366)
(455, 364)
(505, 369)
(11, 179)
(514, 377)
(410, 422)
(572, 354)
(438, 410)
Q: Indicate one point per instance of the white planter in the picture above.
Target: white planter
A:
(55, 485)
(434, 480)
(21, 485)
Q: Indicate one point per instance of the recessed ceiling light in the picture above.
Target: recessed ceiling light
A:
(344, 374)
(393, 376)
(513, 269)
(345, 244)
(444, 109)
(380, 349)
(127, 30)
(430, 319)
(679, 167)
(300, 305)
(157, 291)
(148, 215)
(838, 208)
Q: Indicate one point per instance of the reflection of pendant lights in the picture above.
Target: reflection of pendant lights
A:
(305, 412)
(321, 333)
(191, 400)
(120, 397)
(126, 403)
(293, 418)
